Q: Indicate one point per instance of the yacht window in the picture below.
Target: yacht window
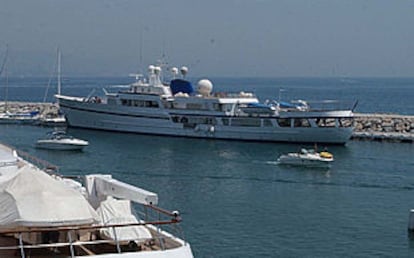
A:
(227, 107)
(345, 122)
(284, 122)
(326, 122)
(194, 106)
(217, 106)
(225, 121)
(151, 104)
(245, 122)
(301, 122)
(210, 121)
(267, 122)
(111, 102)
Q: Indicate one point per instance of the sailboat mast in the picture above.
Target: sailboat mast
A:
(6, 94)
(59, 71)
(4, 68)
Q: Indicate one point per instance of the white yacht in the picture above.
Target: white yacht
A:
(59, 140)
(149, 106)
(45, 215)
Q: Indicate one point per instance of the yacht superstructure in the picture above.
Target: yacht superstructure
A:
(150, 106)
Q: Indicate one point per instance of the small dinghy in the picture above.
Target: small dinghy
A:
(59, 140)
(310, 158)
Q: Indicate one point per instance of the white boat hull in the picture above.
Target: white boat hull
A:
(304, 160)
(102, 117)
(61, 145)
(306, 163)
(179, 252)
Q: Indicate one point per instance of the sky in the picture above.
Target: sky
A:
(242, 38)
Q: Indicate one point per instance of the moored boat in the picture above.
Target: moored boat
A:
(46, 215)
(19, 117)
(150, 106)
(57, 121)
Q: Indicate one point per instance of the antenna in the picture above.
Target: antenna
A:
(141, 43)
(280, 94)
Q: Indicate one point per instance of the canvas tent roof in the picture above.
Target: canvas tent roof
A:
(32, 198)
(112, 211)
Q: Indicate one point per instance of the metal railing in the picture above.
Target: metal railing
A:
(42, 164)
(73, 235)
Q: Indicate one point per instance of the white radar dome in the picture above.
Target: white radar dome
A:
(174, 70)
(204, 87)
(184, 70)
(157, 70)
(151, 68)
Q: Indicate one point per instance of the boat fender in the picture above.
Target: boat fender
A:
(211, 129)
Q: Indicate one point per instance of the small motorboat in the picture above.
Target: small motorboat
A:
(310, 158)
(59, 140)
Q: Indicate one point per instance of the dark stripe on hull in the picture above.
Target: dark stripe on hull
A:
(113, 113)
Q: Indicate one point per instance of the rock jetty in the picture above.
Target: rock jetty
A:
(45, 109)
(31, 113)
(383, 127)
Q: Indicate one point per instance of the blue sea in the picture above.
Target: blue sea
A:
(235, 200)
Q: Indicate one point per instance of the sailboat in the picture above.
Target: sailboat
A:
(54, 120)
(13, 117)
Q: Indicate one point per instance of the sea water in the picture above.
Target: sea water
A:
(235, 200)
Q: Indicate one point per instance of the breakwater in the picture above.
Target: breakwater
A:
(45, 109)
(383, 127)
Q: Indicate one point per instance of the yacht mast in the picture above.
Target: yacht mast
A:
(4, 68)
(58, 68)
(6, 95)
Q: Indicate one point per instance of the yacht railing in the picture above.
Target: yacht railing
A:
(331, 105)
(27, 158)
(42, 164)
(74, 246)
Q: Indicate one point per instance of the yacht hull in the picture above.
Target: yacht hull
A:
(160, 122)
